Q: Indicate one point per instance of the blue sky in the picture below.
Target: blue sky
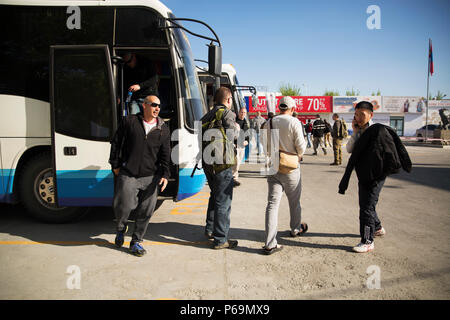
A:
(325, 44)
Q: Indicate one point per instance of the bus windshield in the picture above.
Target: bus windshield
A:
(194, 105)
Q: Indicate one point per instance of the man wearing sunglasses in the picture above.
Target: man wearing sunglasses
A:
(140, 155)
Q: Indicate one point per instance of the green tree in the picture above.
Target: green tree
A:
(352, 92)
(290, 90)
(376, 94)
(439, 96)
(330, 93)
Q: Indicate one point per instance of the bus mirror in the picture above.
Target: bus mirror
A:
(214, 60)
(254, 100)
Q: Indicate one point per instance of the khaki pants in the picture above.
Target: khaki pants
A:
(337, 149)
(327, 139)
(318, 141)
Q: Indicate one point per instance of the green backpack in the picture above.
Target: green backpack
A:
(223, 145)
(344, 131)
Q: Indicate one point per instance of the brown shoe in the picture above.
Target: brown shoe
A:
(230, 244)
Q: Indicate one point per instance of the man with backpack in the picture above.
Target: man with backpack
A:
(338, 134)
(218, 159)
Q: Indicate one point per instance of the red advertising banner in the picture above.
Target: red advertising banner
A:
(315, 104)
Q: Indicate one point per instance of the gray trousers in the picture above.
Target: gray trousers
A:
(291, 184)
(139, 194)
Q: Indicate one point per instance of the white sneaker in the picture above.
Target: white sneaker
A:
(363, 247)
(379, 233)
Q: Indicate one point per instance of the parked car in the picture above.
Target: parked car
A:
(420, 133)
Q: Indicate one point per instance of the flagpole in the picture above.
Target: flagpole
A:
(428, 95)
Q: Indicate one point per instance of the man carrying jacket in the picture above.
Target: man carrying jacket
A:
(376, 153)
(140, 157)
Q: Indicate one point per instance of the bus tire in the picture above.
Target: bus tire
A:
(37, 193)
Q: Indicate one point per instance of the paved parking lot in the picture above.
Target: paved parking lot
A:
(79, 260)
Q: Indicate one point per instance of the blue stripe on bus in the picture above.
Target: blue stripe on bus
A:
(188, 186)
(96, 187)
(6, 185)
(86, 202)
(85, 187)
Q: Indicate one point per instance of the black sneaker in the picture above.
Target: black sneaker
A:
(137, 249)
(209, 235)
(236, 183)
(120, 237)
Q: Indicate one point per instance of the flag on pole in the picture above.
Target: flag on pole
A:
(430, 59)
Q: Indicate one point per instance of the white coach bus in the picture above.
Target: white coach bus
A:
(62, 96)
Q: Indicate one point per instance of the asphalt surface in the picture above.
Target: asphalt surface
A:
(412, 261)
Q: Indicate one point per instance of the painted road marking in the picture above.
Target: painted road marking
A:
(100, 242)
(197, 204)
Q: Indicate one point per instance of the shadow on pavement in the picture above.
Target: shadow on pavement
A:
(99, 222)
(428, 175)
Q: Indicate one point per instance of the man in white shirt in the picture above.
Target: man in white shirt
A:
(291, 140)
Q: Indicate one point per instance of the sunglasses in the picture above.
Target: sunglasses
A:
(153, 104)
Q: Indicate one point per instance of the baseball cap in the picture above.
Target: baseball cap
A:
(286, 103)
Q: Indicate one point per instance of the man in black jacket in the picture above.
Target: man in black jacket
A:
(140, 158)
(376, 153)
(318, 132)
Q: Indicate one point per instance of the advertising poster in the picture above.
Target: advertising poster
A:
(439, 103)
(304, 104)
(346, 104)
(403, 104)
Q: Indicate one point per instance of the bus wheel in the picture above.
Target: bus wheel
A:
(37, 192)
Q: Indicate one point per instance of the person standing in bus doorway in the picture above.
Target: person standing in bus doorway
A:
(220, 180)
(291, 141)
(140, 158)
(141, 79)
(241, 143)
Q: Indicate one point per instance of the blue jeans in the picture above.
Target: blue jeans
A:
(308, 137)
(219, 205)
(258, 142)
(136, 106)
